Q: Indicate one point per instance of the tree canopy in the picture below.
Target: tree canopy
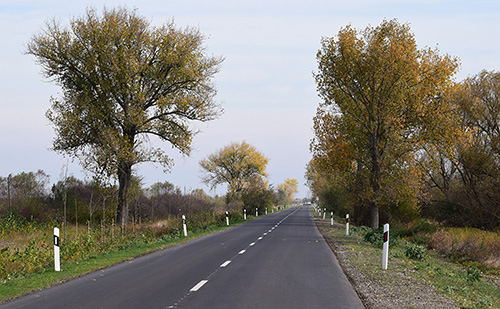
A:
(287, 190)
(124, 81)
(379, 95)
(238, 165)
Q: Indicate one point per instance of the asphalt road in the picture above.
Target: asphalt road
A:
(277, 261)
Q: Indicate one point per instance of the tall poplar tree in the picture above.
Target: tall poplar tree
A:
(124, 81)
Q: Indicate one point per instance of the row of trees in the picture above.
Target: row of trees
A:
(397, 137)
(76, 201)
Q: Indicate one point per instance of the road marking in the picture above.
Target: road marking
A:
(242, 251)
(265, 234)
(225, 263)
(252, 244)
(198, 286)
(260, 238)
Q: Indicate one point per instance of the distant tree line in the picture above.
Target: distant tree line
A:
(72, 200)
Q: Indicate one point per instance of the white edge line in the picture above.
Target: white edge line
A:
(198, 286)
(225, 263)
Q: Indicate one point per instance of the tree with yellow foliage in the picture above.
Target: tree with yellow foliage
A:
(122, 82)
(378, 90)
(238, 165)
(287, 190)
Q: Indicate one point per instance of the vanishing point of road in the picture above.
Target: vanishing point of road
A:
(277, 261)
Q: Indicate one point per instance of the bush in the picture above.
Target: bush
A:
(376, 237)
(473, 274)
(416, 252)
(471, 244)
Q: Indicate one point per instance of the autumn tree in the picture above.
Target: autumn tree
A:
(378, 88)
(237, 165)
(287, 190)
(465, 181)
(124, 81)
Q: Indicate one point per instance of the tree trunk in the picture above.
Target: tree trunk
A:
(124, 177)
(376, 176)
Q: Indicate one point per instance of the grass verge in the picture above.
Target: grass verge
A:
(48, 277)
(432, 282)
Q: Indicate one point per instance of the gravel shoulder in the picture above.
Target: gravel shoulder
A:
(396, 287)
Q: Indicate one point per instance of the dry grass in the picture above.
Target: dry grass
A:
(468, 243)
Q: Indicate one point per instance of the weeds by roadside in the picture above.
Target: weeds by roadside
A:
(26, 248)
(416, 278)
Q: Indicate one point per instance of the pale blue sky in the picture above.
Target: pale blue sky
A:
(265, 84)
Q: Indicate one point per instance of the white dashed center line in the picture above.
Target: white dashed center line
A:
(225, 263)
(242, 251)
(198, 286)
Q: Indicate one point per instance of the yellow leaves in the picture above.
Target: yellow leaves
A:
(381, 99)
(237, 165)
(287, 190)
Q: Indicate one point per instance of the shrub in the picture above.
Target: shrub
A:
(416, 252)
(376, 238)
(473, 274)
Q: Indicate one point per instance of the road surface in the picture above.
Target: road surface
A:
(277, 261)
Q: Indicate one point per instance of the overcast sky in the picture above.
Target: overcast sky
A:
(265, 85)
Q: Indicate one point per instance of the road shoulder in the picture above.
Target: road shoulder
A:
(392, 288)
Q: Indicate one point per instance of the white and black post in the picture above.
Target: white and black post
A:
(57, 260)
(256, 212)
(324, 213)
(245, 214)
(266, 211)
(227, 218)
(184, 227)
(331, 218)
(385, 252)
(347, 225)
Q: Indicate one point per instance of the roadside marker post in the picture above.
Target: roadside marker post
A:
(245, 214)
(266, 211)
(385, 252)
(331, 218)
(256, 212)
(57, 260)
(324, 213)
(227, 218)
(347, 225)
(184, 227)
